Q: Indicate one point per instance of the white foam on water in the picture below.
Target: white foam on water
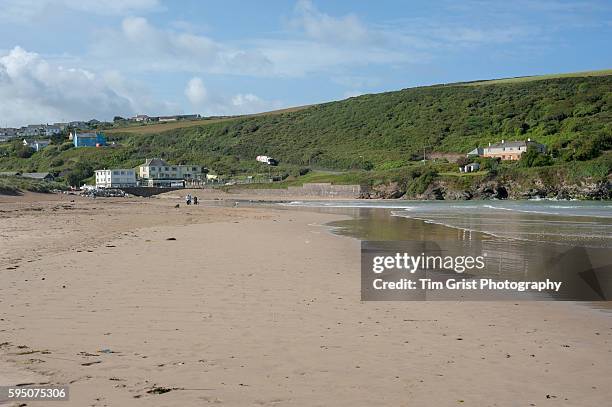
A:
(332, 204)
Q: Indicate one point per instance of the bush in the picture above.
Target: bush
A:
(24, 151)
(421, 179)
(533, 158)
(79, 173)
(463, 161)
(488, 163)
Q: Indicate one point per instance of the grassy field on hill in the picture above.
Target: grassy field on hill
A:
(156, 127)
(604, 72)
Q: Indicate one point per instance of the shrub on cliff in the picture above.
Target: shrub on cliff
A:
(533, 158)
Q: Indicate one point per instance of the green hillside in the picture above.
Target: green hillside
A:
(378, 132)
(568, 114)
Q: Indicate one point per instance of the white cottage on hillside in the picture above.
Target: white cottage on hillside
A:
(36, 145)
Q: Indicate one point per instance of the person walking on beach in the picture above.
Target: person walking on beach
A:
(188, 199)
(195, 200)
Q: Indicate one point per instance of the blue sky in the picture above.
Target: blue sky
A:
(78, 59)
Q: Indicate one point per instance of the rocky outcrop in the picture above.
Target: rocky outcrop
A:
(383, 191)
(585, 190)
(491, 190)
(511, 189)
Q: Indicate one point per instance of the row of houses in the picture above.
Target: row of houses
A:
(44, 130)
(155, 172)
(143, 118)
(89, 139)
(31, 130)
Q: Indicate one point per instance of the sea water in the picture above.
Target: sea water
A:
(572, 222)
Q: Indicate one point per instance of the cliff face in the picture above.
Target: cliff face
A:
(498, 189)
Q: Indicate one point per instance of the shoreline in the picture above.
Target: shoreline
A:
(261, 305)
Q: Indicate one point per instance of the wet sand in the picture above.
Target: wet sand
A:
(257, 306)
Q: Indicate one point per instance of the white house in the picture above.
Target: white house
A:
(473, 167)
(37, 145)
(52, 130)
(158, 172)
(141, 118)
(507, 150)
(116, 178)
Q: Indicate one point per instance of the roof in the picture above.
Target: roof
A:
(89, 134)
(36, 175)
(157, 162)
(30, 142)
(508, 144)
(521, 143)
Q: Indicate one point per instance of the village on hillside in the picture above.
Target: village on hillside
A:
(49, 130)
(156, 172)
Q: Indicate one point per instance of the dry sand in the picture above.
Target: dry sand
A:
(260, 307)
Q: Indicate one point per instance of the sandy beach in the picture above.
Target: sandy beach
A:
(133, 302)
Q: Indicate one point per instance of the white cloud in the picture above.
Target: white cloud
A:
(195, 91)
(145, 47)
(323, 27)
(250, 103)
(317, 43)
(215, 104)
(41, 92)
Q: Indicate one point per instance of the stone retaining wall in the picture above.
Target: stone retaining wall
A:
(312, 190)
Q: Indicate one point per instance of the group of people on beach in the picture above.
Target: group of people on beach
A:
(189, 199)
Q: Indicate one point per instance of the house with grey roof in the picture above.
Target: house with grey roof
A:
(52, 130)
(37, 145)
(156, 172)
(41, 176)
(507, 150)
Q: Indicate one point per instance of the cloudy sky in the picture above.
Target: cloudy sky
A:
(79, 59)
